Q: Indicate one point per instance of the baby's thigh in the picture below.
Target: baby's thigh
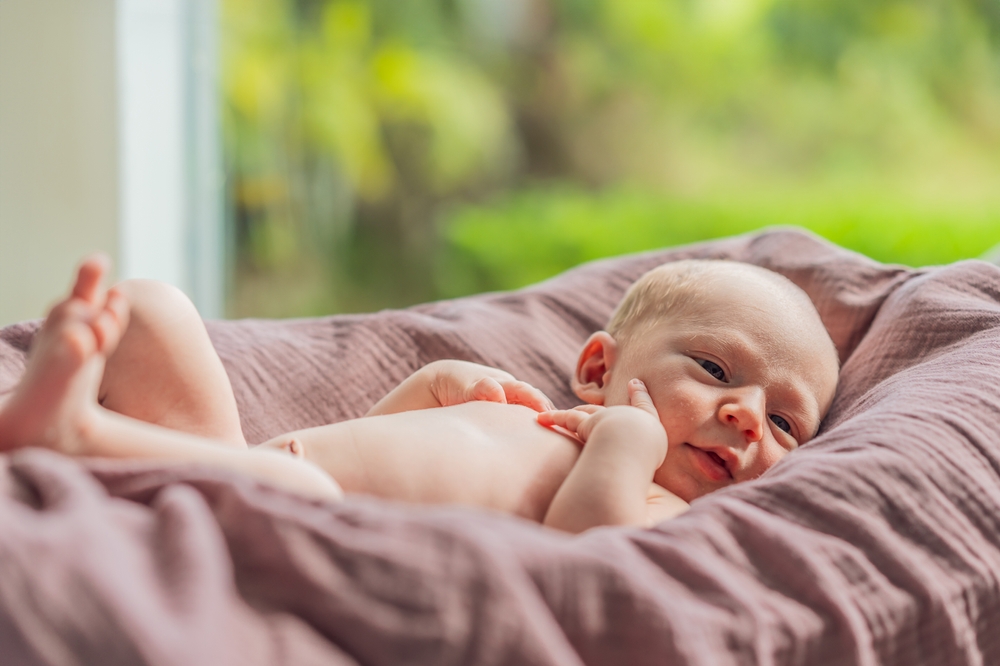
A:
(292, 472)
(166, 371)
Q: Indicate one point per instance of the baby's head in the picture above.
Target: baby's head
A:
(737, 362)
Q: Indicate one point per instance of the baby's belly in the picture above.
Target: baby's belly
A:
(479, 453)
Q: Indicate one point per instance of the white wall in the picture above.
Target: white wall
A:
(58, 146)
(108, 141)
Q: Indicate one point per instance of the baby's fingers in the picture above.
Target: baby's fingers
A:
(638, 396)
(570, 419)
(523, 393)
(486, 389)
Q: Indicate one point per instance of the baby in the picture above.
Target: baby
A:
(708, 373)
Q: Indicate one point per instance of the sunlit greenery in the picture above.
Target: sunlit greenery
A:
(381, 153)
(532, 235)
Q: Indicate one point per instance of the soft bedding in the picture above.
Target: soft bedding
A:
(877, 543)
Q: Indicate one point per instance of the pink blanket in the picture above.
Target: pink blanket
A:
(877, 543)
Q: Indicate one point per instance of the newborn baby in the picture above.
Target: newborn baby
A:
(708, 373)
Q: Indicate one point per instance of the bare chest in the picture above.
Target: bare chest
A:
(483, 454)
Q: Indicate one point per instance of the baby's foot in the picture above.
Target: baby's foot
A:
(55, 403)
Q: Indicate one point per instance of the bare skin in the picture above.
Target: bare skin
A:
(738, 381)
(480, 453)
(484, 448)
(51, 405)
(55, 405)
(165, 370)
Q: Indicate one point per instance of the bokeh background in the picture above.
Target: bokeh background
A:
(381, 153)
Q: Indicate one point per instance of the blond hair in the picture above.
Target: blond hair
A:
(669, 288)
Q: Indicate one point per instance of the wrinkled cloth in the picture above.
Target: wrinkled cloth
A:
(876, 543)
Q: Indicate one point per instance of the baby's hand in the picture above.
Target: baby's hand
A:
(609, 483)
(457, 382)
(579, 421)
(582, 420)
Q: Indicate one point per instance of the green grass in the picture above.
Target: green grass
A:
(537, 233)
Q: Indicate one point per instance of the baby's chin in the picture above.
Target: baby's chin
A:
(686, 489)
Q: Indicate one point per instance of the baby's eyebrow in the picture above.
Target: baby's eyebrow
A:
(728, 344)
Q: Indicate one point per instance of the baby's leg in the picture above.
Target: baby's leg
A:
(55, 403)
(165, 370)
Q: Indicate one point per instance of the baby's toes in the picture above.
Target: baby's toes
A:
(67, 311)
(111, 322)
(68, 346)
(88, 278)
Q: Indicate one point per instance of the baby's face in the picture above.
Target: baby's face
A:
(739, 379)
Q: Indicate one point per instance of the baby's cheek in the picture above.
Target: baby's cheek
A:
(769, 457)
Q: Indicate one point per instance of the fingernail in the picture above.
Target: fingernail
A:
(638, 383)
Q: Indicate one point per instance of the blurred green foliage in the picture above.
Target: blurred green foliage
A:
(381, 153)
(535, 234)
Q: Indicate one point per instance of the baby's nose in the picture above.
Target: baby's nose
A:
(746, 415)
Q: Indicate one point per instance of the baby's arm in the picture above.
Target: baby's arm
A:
(612, 481)
(450, 382)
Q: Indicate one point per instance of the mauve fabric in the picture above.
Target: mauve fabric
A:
(877, 543)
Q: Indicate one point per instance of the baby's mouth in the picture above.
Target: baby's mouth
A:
(715, 456)
(711, 464)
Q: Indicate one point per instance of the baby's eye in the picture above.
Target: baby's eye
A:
(781, 423)
(713, 369)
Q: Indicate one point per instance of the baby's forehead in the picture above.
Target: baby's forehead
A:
(769, 323)
(729, 277)
(763, 304)
(777, 322)
(749, 299)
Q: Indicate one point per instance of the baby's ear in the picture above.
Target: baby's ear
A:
(592, 367)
